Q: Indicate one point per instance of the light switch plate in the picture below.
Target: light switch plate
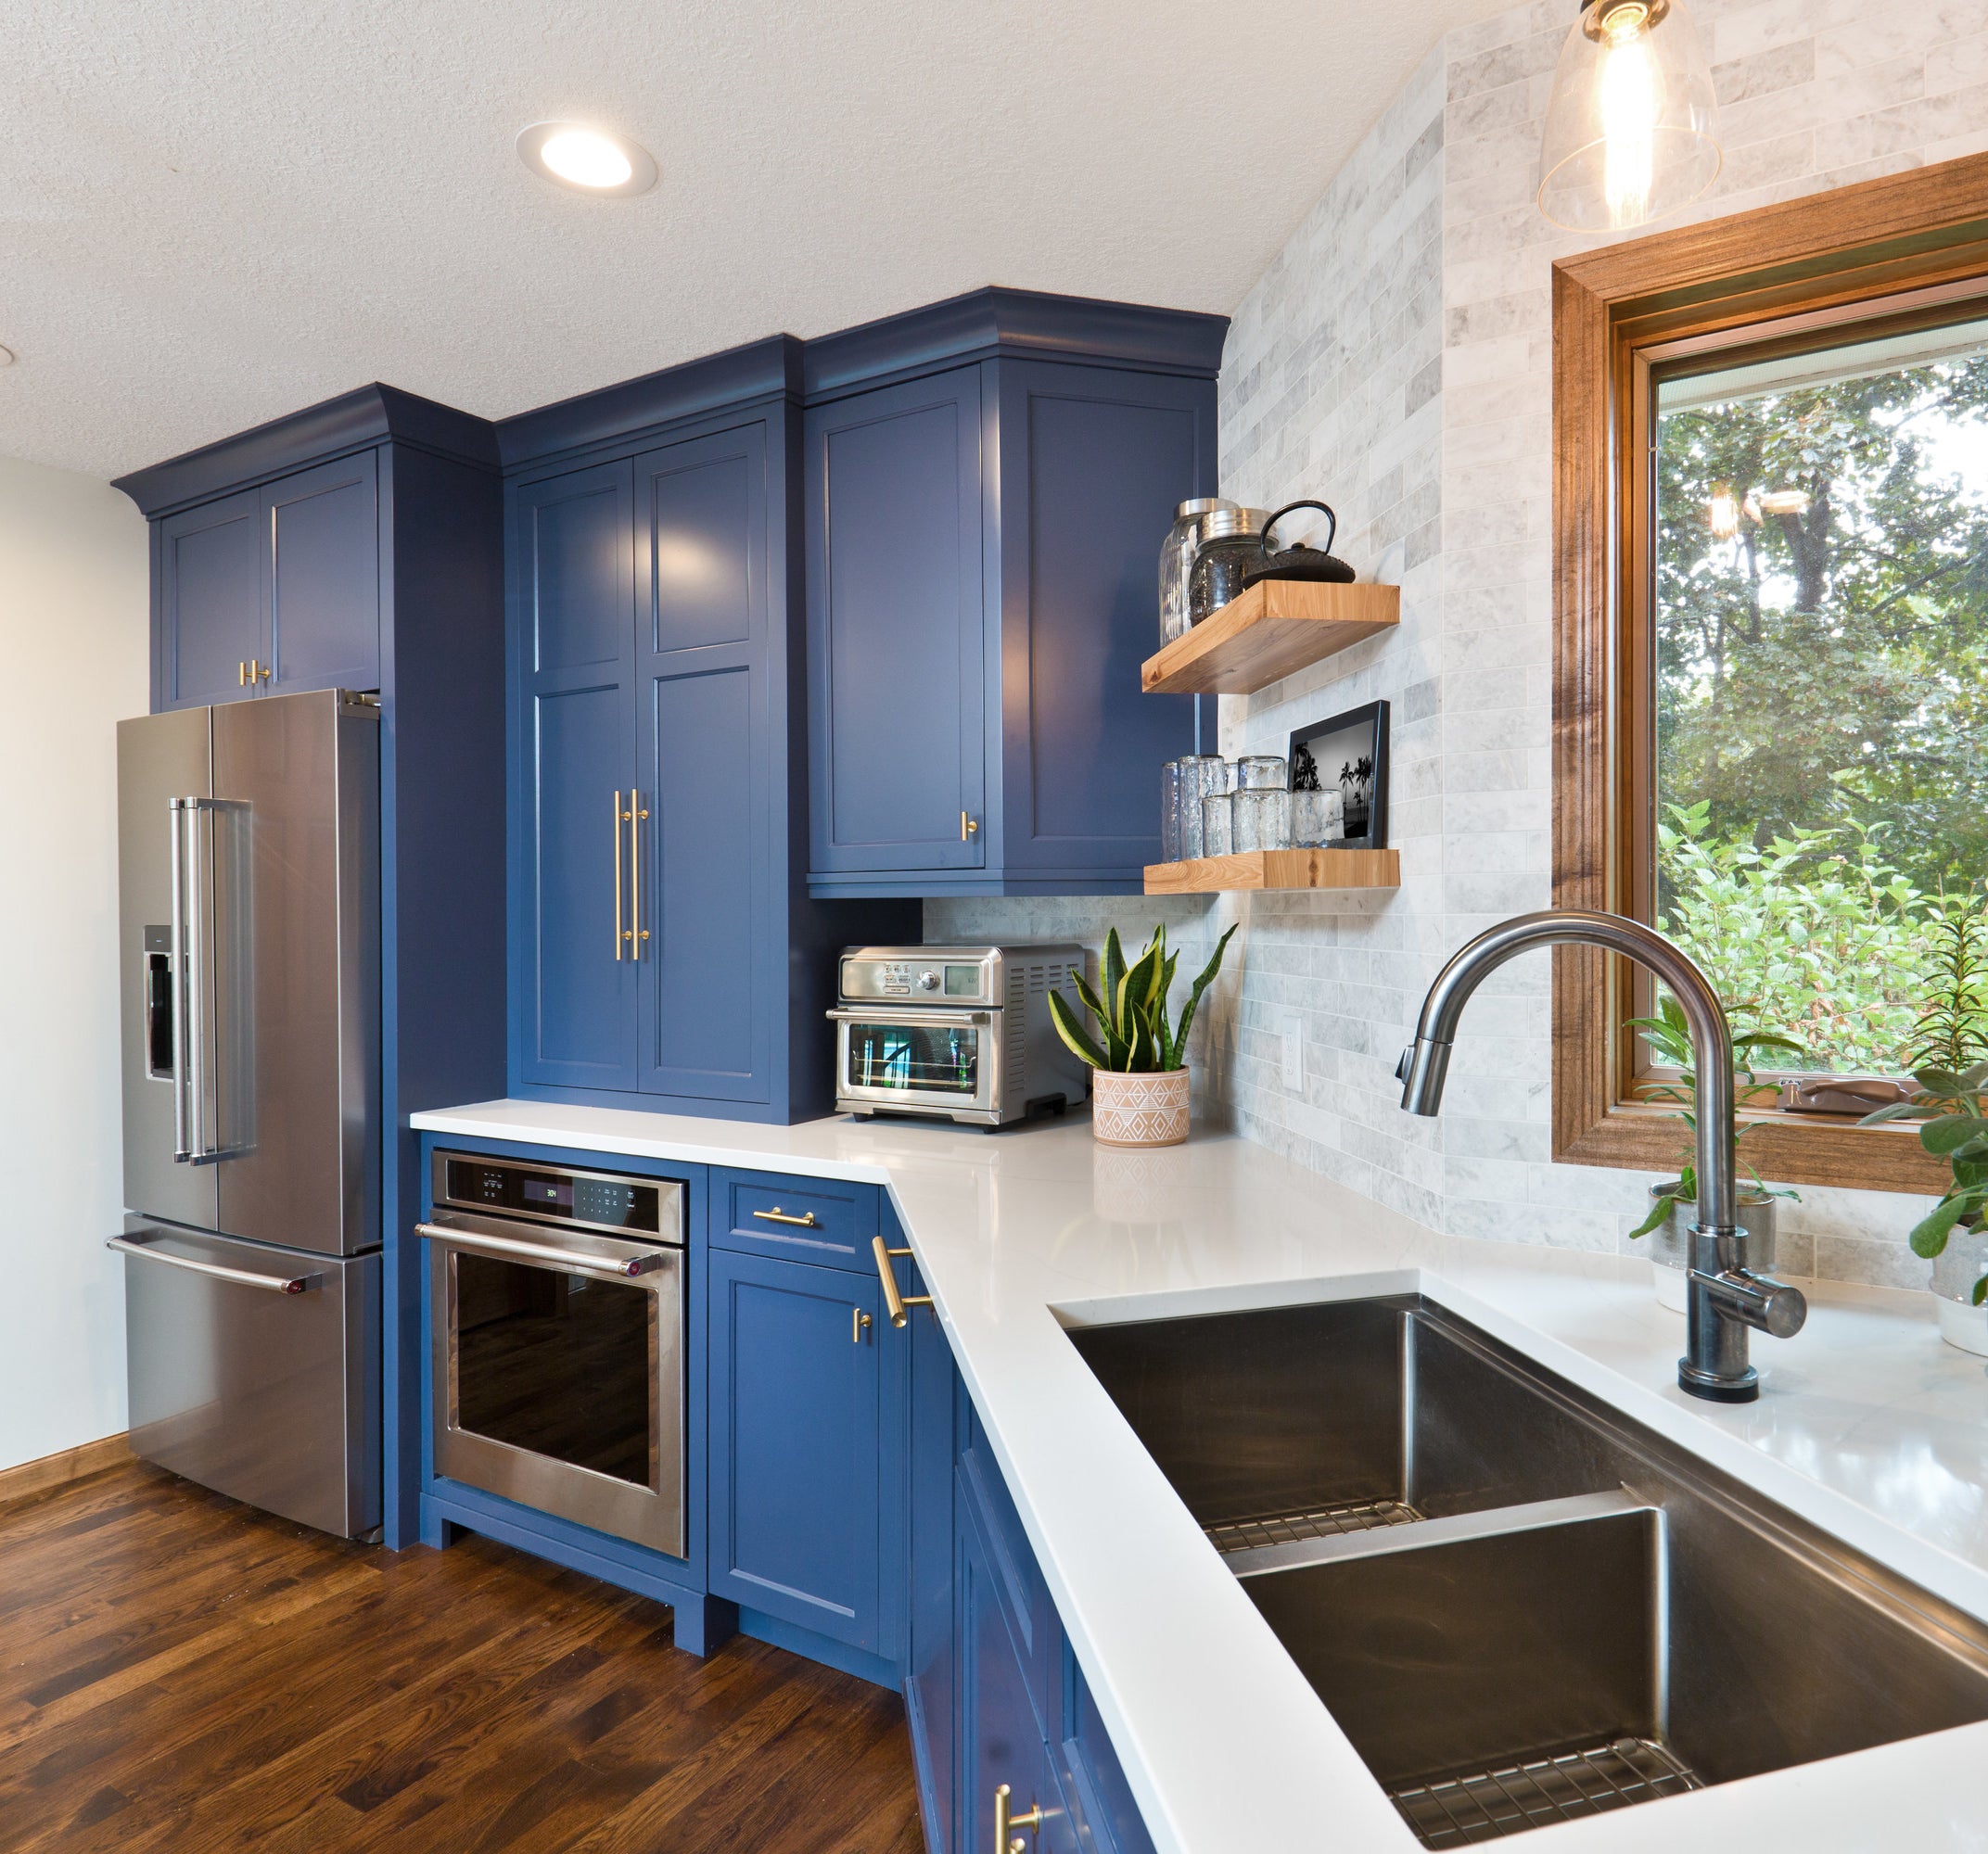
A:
(1291, 1033)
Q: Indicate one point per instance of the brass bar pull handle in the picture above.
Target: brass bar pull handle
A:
(968, 825)
(241, 675)
(778, 1215)
(638, 814)
(895, 1302)
(859, 1325)
(1005, 1839)
(620, 935)
(257, 669)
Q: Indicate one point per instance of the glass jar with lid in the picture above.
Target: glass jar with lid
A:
(1231, 546)
(1177, 561)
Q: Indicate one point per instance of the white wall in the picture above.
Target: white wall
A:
(1396, 359)
(72, 663)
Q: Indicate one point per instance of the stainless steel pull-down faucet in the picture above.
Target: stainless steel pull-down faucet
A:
(1726, 1297)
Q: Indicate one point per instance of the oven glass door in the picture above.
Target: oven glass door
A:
(907, 1056)
(559, 1365)
(561, 1388)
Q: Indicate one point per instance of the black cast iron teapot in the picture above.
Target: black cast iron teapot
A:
(1300, 562)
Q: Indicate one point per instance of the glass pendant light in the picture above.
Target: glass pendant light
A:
(1631, 129)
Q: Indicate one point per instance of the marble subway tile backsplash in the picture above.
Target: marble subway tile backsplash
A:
(1395, 359)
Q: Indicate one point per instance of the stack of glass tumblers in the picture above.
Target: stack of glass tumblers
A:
(1211, 806)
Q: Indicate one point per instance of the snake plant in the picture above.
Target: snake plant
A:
(1133, 1031)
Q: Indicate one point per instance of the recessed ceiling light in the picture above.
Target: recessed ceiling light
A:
(587, 160)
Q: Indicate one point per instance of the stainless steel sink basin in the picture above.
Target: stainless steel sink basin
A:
(1518, 1604)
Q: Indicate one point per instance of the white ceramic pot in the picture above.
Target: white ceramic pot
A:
(1139, 1110)
(1669, 1245)
(1955, 1271)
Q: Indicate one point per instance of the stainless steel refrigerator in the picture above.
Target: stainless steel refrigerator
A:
(249, 935)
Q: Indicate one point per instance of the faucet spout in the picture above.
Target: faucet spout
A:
(1725, 1299)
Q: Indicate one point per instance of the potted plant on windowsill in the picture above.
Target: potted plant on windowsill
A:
(1139, 1083)
(1673, 1205)
(1949, 1064)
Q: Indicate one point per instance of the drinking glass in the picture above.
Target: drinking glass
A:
(1317, 819)
(1200, 774)
(1217, 824)
(1262, 772)
(1170, 812)
(1262, 820)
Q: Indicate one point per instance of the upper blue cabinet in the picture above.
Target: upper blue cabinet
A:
(981, 530)
(272, 589)
(664, 949)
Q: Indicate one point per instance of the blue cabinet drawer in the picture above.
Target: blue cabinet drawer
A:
(818, 1220)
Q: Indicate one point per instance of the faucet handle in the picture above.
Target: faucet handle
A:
(1771, 1307)
(1405, 1063)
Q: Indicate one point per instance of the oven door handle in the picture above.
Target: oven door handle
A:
(512, 1249)
(910, 1017)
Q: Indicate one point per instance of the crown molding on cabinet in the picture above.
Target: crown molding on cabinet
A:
(369, 415)
(985, 322)
(737, 377)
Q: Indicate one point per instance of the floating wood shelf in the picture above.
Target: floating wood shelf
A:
(1278, 626)
(1277, 868)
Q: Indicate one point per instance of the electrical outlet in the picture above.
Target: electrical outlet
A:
(1291, 1029)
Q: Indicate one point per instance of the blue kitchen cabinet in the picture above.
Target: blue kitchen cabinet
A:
(665, 952)
(572, 571)
(1001, 1738)
(271, 590)
(207, 582)
(324, 576)
(806, 1395)
(896, 624)
(712, 980)
(981, 548)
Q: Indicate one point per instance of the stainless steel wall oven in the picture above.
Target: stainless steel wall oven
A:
(557, 1327)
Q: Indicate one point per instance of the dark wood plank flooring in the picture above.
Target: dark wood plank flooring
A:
(180, 1673)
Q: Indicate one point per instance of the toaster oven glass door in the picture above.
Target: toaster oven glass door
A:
(938, 1058)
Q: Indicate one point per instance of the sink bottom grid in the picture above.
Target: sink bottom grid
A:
(1530, 1792)
(1325, 1522)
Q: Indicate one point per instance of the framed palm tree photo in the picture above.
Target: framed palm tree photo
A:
(1347, 753)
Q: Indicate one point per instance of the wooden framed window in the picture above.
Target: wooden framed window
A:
(1755, 421)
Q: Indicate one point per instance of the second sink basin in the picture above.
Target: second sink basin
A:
(1519, 1606)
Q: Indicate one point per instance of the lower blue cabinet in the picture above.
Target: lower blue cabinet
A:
(1000, 1739)
(800, 1383)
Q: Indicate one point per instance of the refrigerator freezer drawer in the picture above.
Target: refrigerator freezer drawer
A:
(255, 1371)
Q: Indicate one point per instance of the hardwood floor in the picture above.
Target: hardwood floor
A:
(180, 1673)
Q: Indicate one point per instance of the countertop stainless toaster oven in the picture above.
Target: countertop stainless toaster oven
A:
(956, 1032)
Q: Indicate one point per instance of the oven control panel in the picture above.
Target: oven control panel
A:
(943, 975)
(554, 1193)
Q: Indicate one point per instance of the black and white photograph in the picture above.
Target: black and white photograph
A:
(1347, 753)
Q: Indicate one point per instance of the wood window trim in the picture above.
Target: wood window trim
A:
(1876, 243)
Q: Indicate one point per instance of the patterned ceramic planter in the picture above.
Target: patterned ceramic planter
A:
(1139, 1110)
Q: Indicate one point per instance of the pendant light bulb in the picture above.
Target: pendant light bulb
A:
(1631, 131)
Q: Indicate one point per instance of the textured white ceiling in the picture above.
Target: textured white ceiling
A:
(216, 212)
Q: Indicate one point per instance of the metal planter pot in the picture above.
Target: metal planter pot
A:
(1669, 1245)
(1955, 1271)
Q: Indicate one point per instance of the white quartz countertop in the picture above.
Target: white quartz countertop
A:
(1867, 1425)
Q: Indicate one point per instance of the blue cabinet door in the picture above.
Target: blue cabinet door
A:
(210, 591)
(896, 604)
(930, 1672)
(1001, 1738)
(1093, 461)
(796, 1417)
(573, 602)
(712, 982)
(324, 600)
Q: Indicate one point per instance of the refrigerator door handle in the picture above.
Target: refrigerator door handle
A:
(195, 1106)
(241, 1277)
